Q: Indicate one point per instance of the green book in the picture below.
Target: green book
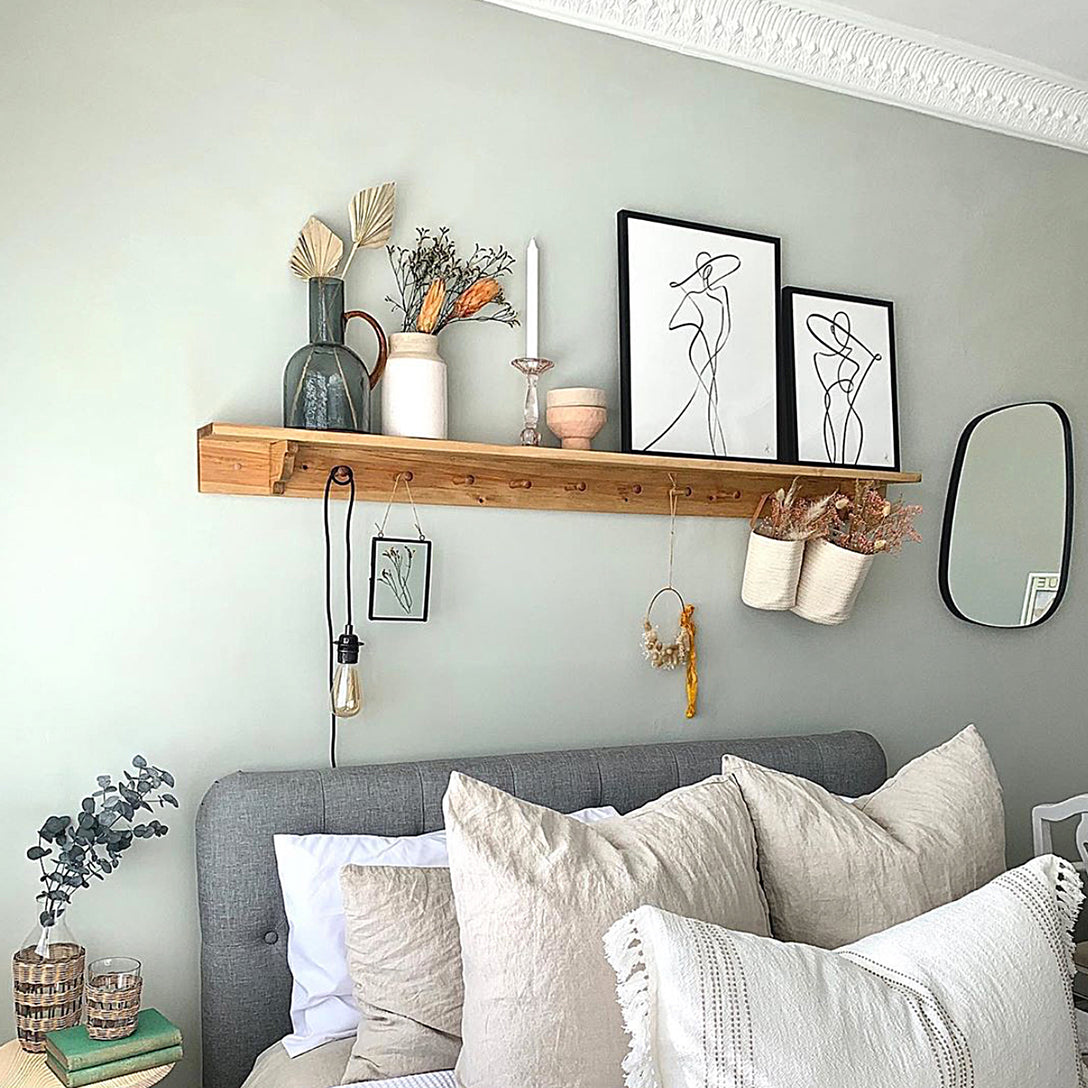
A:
(73, 1048)
(137, 1063)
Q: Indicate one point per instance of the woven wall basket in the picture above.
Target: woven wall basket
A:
(831, 579)
(112, 1013)
(771, 570)
(48, 992)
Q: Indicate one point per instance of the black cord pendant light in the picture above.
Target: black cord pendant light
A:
(345, 688)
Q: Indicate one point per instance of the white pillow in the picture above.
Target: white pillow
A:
(322, 1005)
(974, 994)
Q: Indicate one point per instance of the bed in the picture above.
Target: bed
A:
(245, 980)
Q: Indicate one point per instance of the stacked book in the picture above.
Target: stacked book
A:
(76, 1059)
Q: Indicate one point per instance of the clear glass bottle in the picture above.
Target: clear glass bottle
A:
(326, 386)
(47, 983)
(54, 942)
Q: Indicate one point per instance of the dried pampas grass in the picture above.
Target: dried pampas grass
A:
(317, 252)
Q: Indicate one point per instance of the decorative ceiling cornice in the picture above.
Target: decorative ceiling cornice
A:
(832, 50)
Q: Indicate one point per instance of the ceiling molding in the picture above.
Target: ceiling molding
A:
(833, 50)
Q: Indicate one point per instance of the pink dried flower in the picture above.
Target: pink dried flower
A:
(786, 516)
(869, 523)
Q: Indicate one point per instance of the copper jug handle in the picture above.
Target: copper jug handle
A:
(383, 342)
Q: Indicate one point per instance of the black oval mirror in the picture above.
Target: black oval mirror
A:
(1008, 521)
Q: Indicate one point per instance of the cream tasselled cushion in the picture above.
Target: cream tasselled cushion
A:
(975, 994)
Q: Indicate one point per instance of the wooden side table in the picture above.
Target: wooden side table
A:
(18, 1069)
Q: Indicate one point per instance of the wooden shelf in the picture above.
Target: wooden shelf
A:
(234, 459)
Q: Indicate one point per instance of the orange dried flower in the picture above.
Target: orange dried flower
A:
(475, 298)
(432, 306)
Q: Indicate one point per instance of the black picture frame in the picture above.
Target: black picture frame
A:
(950, 514)
(774, 362)
(790, 364)
(417, 544)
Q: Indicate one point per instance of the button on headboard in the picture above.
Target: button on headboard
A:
(246, 984)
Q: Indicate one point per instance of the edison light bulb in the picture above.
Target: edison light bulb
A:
(347, 689)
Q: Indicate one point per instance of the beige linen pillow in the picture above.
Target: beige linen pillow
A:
(535, 893)
(405, 963)
(835, 872)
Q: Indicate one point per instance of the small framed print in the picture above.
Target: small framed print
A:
(400, 578)
(699, 373)
(840, 379)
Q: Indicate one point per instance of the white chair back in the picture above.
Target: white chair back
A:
(1043, 816)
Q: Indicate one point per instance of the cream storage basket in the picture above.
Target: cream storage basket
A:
(771, 570)
(831, 579)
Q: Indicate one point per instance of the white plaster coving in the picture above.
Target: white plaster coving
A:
(827, 48)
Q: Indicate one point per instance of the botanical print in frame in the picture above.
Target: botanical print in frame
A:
(400, 578)
(840, 378)
(699, 370)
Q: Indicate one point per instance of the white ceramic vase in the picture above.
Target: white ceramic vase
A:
(771, 570)
(414, 387)
(831, 579)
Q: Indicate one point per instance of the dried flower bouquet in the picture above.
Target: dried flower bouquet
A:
(437, 287)
(785, 515)
(869, 524)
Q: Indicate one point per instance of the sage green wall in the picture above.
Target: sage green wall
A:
(158, 160)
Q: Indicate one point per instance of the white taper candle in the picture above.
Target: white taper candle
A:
(532, 300)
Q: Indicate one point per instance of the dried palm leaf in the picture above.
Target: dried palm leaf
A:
(317, 251)
(371, 215)
(371, 212)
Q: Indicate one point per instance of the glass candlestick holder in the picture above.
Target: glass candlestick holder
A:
(532, 369)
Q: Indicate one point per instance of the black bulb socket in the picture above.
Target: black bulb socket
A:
(347, 648)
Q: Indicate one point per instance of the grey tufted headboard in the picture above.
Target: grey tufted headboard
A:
(245, 980)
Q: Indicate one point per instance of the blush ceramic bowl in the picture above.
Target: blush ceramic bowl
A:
(576, 415)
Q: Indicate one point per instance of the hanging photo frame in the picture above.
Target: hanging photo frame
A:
(400, 570)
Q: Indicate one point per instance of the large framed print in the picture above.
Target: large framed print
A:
(699, 374)
(840, 379)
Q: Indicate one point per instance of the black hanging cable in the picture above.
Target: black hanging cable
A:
(342, 476)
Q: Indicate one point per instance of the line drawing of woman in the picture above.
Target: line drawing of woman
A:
(841, 370)
(704, 308)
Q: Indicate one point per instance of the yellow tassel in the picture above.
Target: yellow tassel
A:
(692, 683)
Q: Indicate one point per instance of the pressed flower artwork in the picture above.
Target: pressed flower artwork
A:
(400, 578)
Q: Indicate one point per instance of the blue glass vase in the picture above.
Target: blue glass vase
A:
(326, 386)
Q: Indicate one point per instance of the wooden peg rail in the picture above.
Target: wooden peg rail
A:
(246, 460)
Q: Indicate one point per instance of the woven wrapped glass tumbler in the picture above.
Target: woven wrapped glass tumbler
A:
(113, 997)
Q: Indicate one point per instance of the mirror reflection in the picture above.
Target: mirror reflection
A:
(1005, 549)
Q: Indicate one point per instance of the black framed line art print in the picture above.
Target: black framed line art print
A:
(840, 380)
(699, 373)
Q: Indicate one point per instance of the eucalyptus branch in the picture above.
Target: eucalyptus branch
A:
(70, 851)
